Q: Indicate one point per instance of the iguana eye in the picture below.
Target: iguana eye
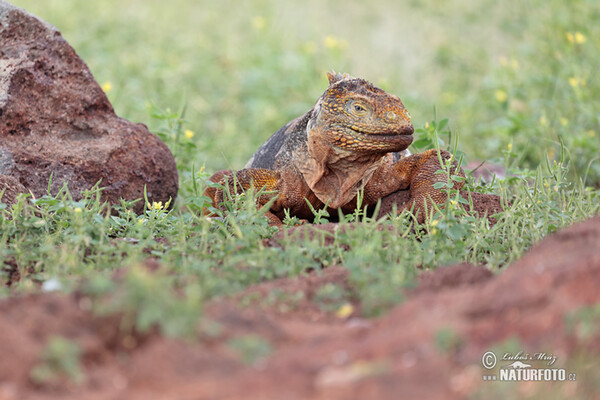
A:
(357, 108)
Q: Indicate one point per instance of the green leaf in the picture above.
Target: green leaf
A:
(423, 143)
(442, 124)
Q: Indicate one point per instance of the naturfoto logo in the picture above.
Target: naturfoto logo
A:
(522, 367)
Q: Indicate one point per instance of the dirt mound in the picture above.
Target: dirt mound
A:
(454, 276)
(57, 122)
(430, 346)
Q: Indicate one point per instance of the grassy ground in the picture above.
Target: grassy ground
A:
(215, 79)
(520, 73)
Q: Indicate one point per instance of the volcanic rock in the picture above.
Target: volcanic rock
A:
(56, 122)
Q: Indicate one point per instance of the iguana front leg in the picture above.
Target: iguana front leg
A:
(416, 173)
(243, 180)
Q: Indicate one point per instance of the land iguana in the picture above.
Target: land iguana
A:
(354, 138)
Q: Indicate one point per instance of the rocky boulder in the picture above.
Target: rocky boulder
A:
(55, 121)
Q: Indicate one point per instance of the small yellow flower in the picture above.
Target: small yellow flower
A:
(259, 23)
(514, 64)
(434, 222)
(500, 95)
(591, 133)
(434, 231)
(580, 38)
(107, 86)
(345, 311)
(426, 125)
(453, 202)
(577, 37)
(509, 146)
(570, 37)
(564, 121)
(155, 205)
(574, 81)
(78, 209)
(543, 120)
(188, 134)
(332, 43)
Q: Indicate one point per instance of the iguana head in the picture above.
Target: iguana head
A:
(354, 115)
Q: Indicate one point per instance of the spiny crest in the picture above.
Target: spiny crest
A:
(342, 83)
(335, 77)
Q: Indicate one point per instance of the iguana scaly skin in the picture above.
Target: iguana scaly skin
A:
(355, 137)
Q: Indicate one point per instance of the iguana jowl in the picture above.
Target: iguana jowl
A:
(354, 138)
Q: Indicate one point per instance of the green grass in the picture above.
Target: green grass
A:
(501, 72)
(60, 359)
(215, 79)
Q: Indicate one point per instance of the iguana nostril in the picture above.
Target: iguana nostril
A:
(391, 116)
(407, 130)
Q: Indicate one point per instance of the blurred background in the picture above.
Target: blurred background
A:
(216, 78)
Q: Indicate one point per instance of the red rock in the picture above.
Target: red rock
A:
(55, 120)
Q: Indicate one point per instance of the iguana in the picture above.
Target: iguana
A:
(355, 137)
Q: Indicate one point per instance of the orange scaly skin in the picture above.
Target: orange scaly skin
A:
(354, 138)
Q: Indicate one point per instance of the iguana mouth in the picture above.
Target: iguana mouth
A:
(379, 136)
(405, 130)
(386, 136)
(358, 140)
